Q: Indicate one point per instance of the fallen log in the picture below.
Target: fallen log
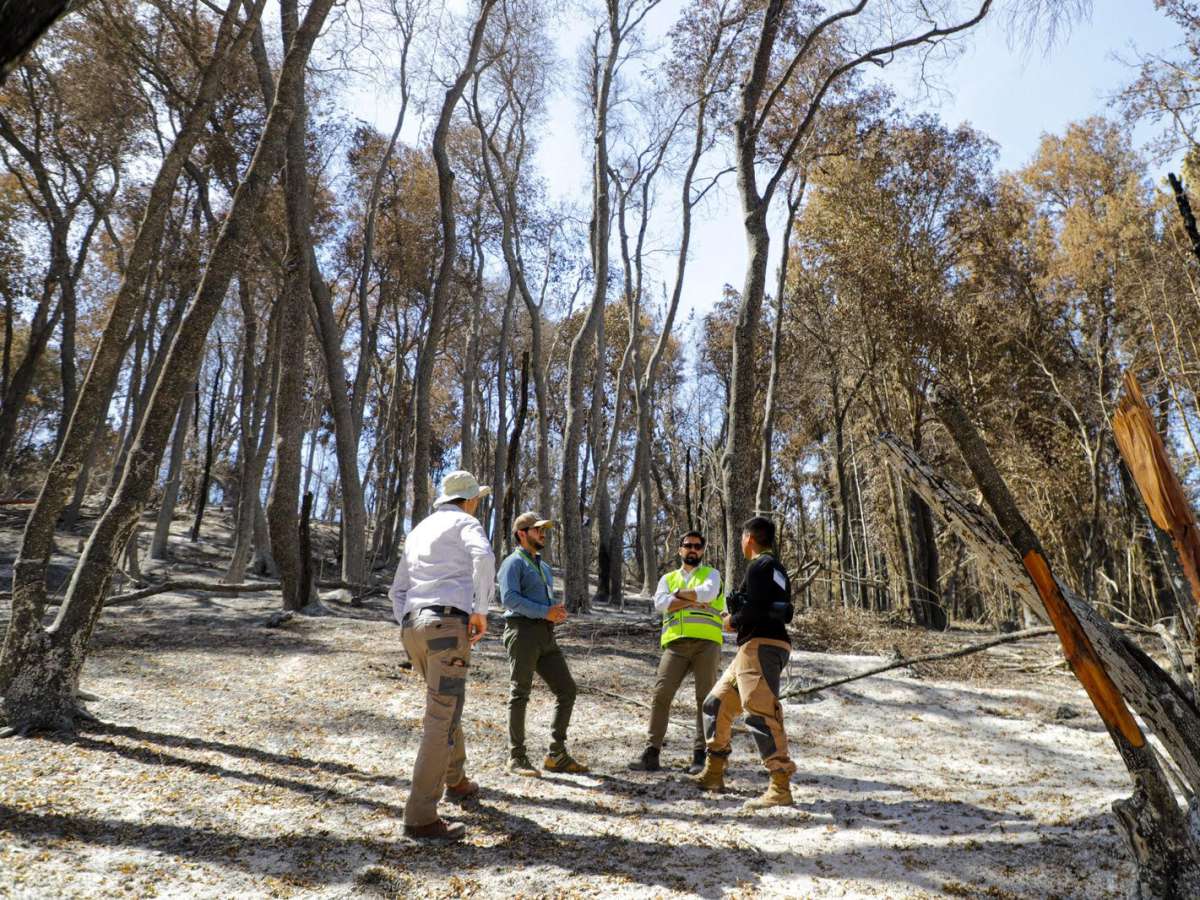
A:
(219, 589)
(1010, 638)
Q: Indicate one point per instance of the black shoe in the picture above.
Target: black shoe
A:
(697, 765)
(647, 762)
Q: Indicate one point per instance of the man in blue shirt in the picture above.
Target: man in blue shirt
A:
(530, 614)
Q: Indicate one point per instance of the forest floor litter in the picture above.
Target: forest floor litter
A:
(241, 760)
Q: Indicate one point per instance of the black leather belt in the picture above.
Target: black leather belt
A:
(437, 611)
(526, 620)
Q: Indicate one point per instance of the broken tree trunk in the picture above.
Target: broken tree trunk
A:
(1146, 458)
(1166, 856)
(1151, 692)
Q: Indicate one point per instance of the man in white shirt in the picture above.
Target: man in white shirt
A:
(443, 587)
(690, 601)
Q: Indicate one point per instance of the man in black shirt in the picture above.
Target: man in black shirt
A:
(758, 613)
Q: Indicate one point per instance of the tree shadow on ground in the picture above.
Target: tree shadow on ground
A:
(936, 703)
(944, 818)
(156, 758)
(305, 858)
(321, 859)
(726, 807)
(266, 757)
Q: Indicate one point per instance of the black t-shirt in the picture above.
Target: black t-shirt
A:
(766, 582)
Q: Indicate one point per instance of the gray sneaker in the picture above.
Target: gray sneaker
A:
(520, 765)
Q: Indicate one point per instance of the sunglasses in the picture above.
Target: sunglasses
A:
(692, 546)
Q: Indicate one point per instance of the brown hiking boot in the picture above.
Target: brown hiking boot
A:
(461, 791)
(437, 830)
(778, 793)
(712, 776)
(563, 762)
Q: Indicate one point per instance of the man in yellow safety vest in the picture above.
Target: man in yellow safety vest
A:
(691, 603)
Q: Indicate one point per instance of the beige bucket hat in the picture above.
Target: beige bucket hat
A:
(461, 485)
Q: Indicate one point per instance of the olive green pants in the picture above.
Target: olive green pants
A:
(699, 656)
(532, 649)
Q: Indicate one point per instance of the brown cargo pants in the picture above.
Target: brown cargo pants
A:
(699, 656)
(441, 653)
(751, 683)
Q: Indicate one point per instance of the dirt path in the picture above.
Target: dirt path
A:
(244, 760)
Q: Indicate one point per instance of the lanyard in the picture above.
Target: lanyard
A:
(536, 565)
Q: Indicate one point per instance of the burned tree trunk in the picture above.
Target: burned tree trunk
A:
(438, 303)
(40, 667)
(289, 391)
(514, 447)
(1111, 667)
(22, 25)
(166, 509)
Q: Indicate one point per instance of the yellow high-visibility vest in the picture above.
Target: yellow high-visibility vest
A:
(693, 623)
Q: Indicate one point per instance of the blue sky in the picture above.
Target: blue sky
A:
(1013, 94)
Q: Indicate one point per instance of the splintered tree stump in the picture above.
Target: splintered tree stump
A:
(1162, 492)
(1163, 841)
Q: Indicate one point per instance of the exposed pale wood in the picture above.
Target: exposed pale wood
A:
(1085, 663)
(1145, 457)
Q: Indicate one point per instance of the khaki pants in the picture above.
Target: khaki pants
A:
(699, 656)
(440, 651)
(751, 683)
(532, 649)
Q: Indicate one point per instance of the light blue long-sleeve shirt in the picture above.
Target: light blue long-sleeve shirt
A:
(523, 591)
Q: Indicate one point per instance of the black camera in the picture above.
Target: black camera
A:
(779, 611)
(735, 601)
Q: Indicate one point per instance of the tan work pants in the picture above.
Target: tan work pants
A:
(751, 683)
(440, 651)
(699, 656)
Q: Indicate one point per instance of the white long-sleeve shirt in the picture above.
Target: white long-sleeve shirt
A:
(447, 561)
(706, 591)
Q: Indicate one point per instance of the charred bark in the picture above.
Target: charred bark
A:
(40, 667)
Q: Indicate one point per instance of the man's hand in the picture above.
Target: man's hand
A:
(476, 627)
(677, 604)
(727, 622)
(557, 613)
